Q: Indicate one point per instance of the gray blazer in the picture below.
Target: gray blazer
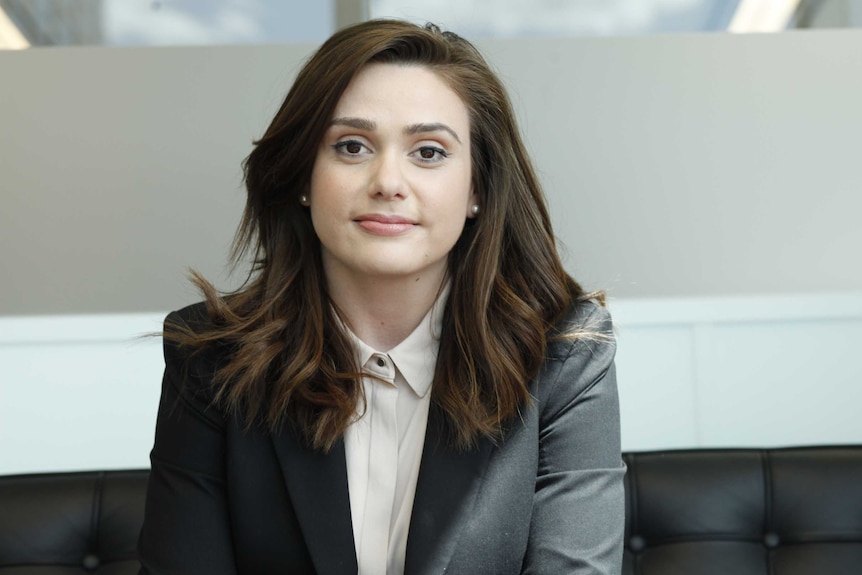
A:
(547, 499)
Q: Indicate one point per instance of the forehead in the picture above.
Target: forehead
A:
(398, 90)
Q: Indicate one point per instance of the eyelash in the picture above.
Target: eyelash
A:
(443, 153)
(341, 148)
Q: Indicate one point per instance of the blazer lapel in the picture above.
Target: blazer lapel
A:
(445, 493)
(317, 484)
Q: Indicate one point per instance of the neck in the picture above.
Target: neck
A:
(383, 312)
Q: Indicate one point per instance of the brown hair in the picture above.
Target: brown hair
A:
(290, 362)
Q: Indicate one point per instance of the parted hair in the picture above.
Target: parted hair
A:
(288, 360)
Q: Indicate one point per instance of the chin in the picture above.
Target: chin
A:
(393, 270)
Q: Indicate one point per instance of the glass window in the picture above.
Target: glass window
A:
(507, 18)
(163, 22)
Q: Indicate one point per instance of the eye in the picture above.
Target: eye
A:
(349, 147)
(429, 154)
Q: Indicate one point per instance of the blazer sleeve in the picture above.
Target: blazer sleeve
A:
(578, 519)
(186, 526)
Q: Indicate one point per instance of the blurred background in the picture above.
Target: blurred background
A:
(700, 158)
(203, 22)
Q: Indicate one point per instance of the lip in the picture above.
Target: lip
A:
(385, 224)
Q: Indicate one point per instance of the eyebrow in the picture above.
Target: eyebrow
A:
(358, 123)
(434, 127)
(363, 124)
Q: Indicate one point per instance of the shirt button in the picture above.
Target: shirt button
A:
(381, 362)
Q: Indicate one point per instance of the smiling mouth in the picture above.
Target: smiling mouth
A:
(385, 225)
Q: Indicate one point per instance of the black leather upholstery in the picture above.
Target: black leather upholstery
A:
(71, 523)
(697, 512)
(744, 512)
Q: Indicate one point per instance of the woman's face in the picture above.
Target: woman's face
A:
(391, 185)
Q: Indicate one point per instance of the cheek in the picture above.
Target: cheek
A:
(454, 213)
(324, 209)
(327, 190)
(319, 198)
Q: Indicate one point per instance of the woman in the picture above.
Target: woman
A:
(409, 382)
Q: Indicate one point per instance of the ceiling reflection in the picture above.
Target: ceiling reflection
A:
(26, 23)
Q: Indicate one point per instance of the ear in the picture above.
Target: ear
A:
(473, 201)
(305, 197)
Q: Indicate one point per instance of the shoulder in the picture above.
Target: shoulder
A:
(190, 364)
(580, 352)
(193, 317)
(587, 324)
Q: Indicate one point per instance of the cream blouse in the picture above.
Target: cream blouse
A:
(384, 444)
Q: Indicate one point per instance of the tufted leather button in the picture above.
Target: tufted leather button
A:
(771, 540)
(90, 562)
(637, 543)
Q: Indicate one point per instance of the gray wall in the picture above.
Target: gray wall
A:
(692, 165)
(674, 165)
(120, 169)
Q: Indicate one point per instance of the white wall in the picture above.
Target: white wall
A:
(674, 165)
(81, 392)
(738, 371)
(78, 392)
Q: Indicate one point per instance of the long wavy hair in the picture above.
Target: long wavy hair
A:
(288, 361)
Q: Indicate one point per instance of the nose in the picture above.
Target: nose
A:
(387, 181)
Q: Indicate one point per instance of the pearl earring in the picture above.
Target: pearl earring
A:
(474, 209)
(303, 199)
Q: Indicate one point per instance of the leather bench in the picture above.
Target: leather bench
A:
(795, 511)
